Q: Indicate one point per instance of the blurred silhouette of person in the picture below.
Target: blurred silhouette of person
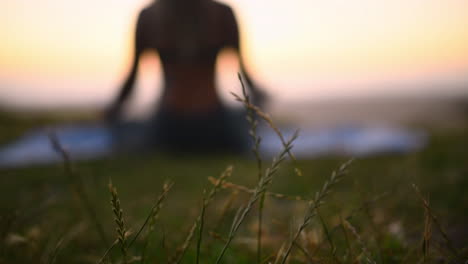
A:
(189, 35)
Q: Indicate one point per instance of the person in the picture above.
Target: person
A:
(189, 35)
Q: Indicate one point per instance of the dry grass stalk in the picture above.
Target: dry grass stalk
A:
(219, 182)
(252, 112)
(280, 253)
(427, 234)
(200, 229)
(353, 213)
(225, 209)
(52, 258)
(431, 215)
(255, 150)
(104, 257)
(77, 185)
(242, 188)
(260, 189)
(347, 240)
(328, 236)
(153, 217)
(154, 210)
(304, 252)
(266, 118)
(316, 203)
(63, 240)
(365, 251)
(119, 221)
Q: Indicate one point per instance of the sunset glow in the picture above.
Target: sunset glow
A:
(78, 51)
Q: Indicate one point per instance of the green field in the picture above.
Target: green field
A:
(373, 215)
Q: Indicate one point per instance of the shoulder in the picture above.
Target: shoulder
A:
(151, 8)
(149, 12)
(145, 12)
(148, 17)
(222, 8)
(224, 14)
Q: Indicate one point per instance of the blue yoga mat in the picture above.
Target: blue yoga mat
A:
(93, 141)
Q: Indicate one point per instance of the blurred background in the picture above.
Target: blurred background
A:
(320, 61)
(328, 63)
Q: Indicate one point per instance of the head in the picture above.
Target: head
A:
(183, 3)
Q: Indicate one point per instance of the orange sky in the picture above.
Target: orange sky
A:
(77, 51)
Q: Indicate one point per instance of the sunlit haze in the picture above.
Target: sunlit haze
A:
(64, 52)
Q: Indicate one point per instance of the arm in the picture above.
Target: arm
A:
(115, 110)
(257, 95)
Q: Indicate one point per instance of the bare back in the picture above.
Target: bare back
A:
(188, 42)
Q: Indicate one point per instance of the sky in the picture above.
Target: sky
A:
(64, 52)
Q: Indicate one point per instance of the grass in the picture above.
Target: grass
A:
(384, 209)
